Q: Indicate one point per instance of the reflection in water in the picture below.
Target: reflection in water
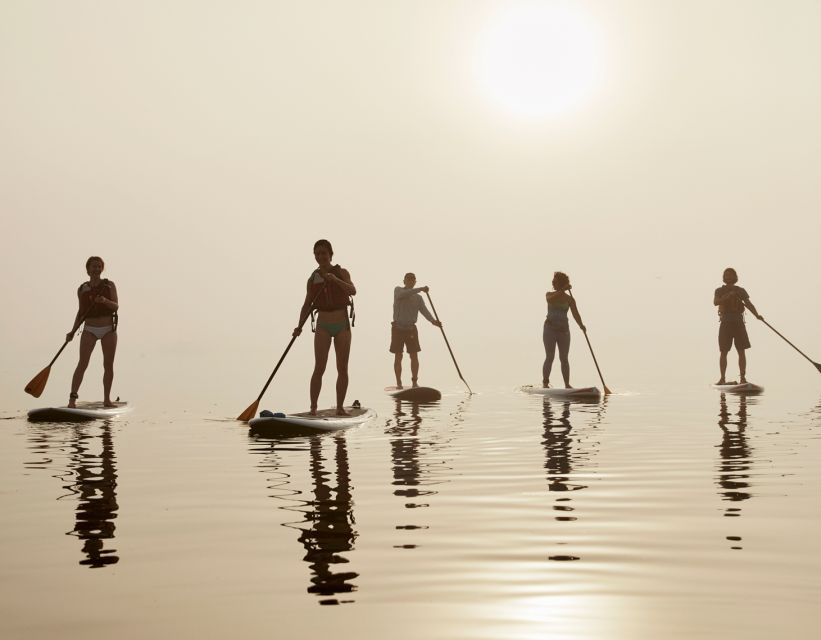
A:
(92, 478)
(412, 476)
(562, 454)
(733, 478)
(327, 531)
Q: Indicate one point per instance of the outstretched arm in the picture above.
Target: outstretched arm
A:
(575, 311)
(423, 309)
(305, 311)
(748, 303)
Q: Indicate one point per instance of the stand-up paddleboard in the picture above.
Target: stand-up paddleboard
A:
(325, 420)
(414, 394)
(560, 394)
(735, 387)
(83, 411)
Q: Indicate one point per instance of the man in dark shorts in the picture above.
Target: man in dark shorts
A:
(407, 304)
(731, 301)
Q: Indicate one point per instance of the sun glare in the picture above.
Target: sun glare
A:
(538, 59)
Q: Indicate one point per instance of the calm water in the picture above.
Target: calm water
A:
(654, 514)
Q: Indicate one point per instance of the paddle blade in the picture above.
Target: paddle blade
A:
(249, 413)
(817, 366)
(38, 383)
(607, 391)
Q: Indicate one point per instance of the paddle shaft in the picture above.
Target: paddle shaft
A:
(595, 361)
(65, 344)
(287, 349)
(436, 315)
(817, 366)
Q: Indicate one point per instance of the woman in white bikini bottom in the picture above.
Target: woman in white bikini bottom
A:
(98, 332)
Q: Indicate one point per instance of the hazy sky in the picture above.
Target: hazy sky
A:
(202, 147)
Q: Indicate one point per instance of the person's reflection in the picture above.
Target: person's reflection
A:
(733, 478)
(327, 529)
(92, 478)
(560, 457)
(407, 467)
(330, 531)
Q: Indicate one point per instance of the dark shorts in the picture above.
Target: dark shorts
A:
(407, 338)
(730, 331)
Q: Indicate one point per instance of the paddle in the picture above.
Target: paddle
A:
(815, 364)
(436, 315)
(38, 383)
(251, 411)
(596, 362)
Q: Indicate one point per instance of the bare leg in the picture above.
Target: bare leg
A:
(563, 341)
(722, 366)
(342, 346)
(549, 339)
(87, 342)
(397, 368)
(109, 344)
(414, 358)
(742, 365)
(322, 344)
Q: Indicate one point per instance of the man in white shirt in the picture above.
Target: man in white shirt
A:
(407, 304)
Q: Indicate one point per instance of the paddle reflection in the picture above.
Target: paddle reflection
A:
(327, 530)
(736, 459)
(91, 474)
(564, 453)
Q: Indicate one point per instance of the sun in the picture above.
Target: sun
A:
(538, 59)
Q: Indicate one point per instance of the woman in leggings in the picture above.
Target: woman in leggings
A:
(557, 329)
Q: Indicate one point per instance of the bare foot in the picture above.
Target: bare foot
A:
(109, 404)
(567, 386)
(743, 380)
(72, 404)
(546, 384)
(415, 384)
(399, 385)
(721, 381)
(340, 411)
(312, 412)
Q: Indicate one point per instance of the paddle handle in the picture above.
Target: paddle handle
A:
(790, 343)
(436, 315)
(595, 361)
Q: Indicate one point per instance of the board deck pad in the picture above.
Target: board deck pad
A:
(580, 392)
(325, 420)
(414, 394)
(739, 387)
(83, 411)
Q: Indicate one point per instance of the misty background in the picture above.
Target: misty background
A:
(201, 148)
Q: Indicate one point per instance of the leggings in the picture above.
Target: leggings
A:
(551, 338)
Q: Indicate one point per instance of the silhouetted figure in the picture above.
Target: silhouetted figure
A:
(731, 301)
(735, 458)
(407, 305)
(329, 293)
(98, 302)
(556, 331)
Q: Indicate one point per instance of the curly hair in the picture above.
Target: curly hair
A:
(560, 281)
(95, 258)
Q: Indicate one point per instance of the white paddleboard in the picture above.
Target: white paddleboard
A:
(325, 420)
(582, 392)
(744, 387)
(414, 394)
(83, 411)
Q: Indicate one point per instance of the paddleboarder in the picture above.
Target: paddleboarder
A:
(98, 304)
(329, 293)
(556, 331)
(731, 301)
(407, 305)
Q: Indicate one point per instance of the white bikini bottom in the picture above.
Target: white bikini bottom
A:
(98, 332)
